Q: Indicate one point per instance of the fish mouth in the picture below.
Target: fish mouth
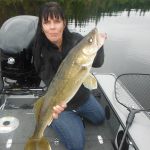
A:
(99, 37)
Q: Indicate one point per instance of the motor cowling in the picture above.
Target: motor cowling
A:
(16, 34)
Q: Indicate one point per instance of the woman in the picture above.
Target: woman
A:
(52, 43)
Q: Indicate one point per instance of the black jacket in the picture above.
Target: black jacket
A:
(51, 58)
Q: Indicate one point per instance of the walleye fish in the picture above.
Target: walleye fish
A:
(73, 71)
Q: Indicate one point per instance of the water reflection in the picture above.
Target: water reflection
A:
(127, 48)
(125, 21)
(78, 10)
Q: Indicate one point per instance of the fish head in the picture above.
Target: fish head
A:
(92, 42)
(89, 46)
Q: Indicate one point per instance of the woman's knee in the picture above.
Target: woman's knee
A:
(98, 117)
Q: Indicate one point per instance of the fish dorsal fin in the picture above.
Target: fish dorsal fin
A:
(90, 82)
(37, 107)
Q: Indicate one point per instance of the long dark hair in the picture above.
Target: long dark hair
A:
(52, 10)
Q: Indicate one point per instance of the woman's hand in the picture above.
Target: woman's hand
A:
(58, 109)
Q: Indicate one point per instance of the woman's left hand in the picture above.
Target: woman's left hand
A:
(58, 109)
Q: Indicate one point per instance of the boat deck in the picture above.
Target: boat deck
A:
(97, 137)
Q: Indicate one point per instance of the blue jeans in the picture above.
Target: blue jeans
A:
(69, 125)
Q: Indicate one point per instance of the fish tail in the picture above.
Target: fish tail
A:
(37, 144)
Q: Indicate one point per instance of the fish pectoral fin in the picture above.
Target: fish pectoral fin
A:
(37, 107)
(90, 82)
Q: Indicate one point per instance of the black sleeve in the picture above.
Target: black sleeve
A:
(99, 59)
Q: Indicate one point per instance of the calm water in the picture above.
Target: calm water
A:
(126, 22)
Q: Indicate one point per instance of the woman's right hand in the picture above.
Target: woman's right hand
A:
(58, 109)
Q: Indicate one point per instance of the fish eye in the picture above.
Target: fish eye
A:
(90, 40)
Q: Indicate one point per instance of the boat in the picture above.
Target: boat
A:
(20, 87)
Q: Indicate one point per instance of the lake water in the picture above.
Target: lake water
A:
(126, 23)
(127, 48)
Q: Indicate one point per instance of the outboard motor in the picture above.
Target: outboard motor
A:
(16, 66)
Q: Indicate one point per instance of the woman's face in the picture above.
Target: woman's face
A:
(53, 29)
